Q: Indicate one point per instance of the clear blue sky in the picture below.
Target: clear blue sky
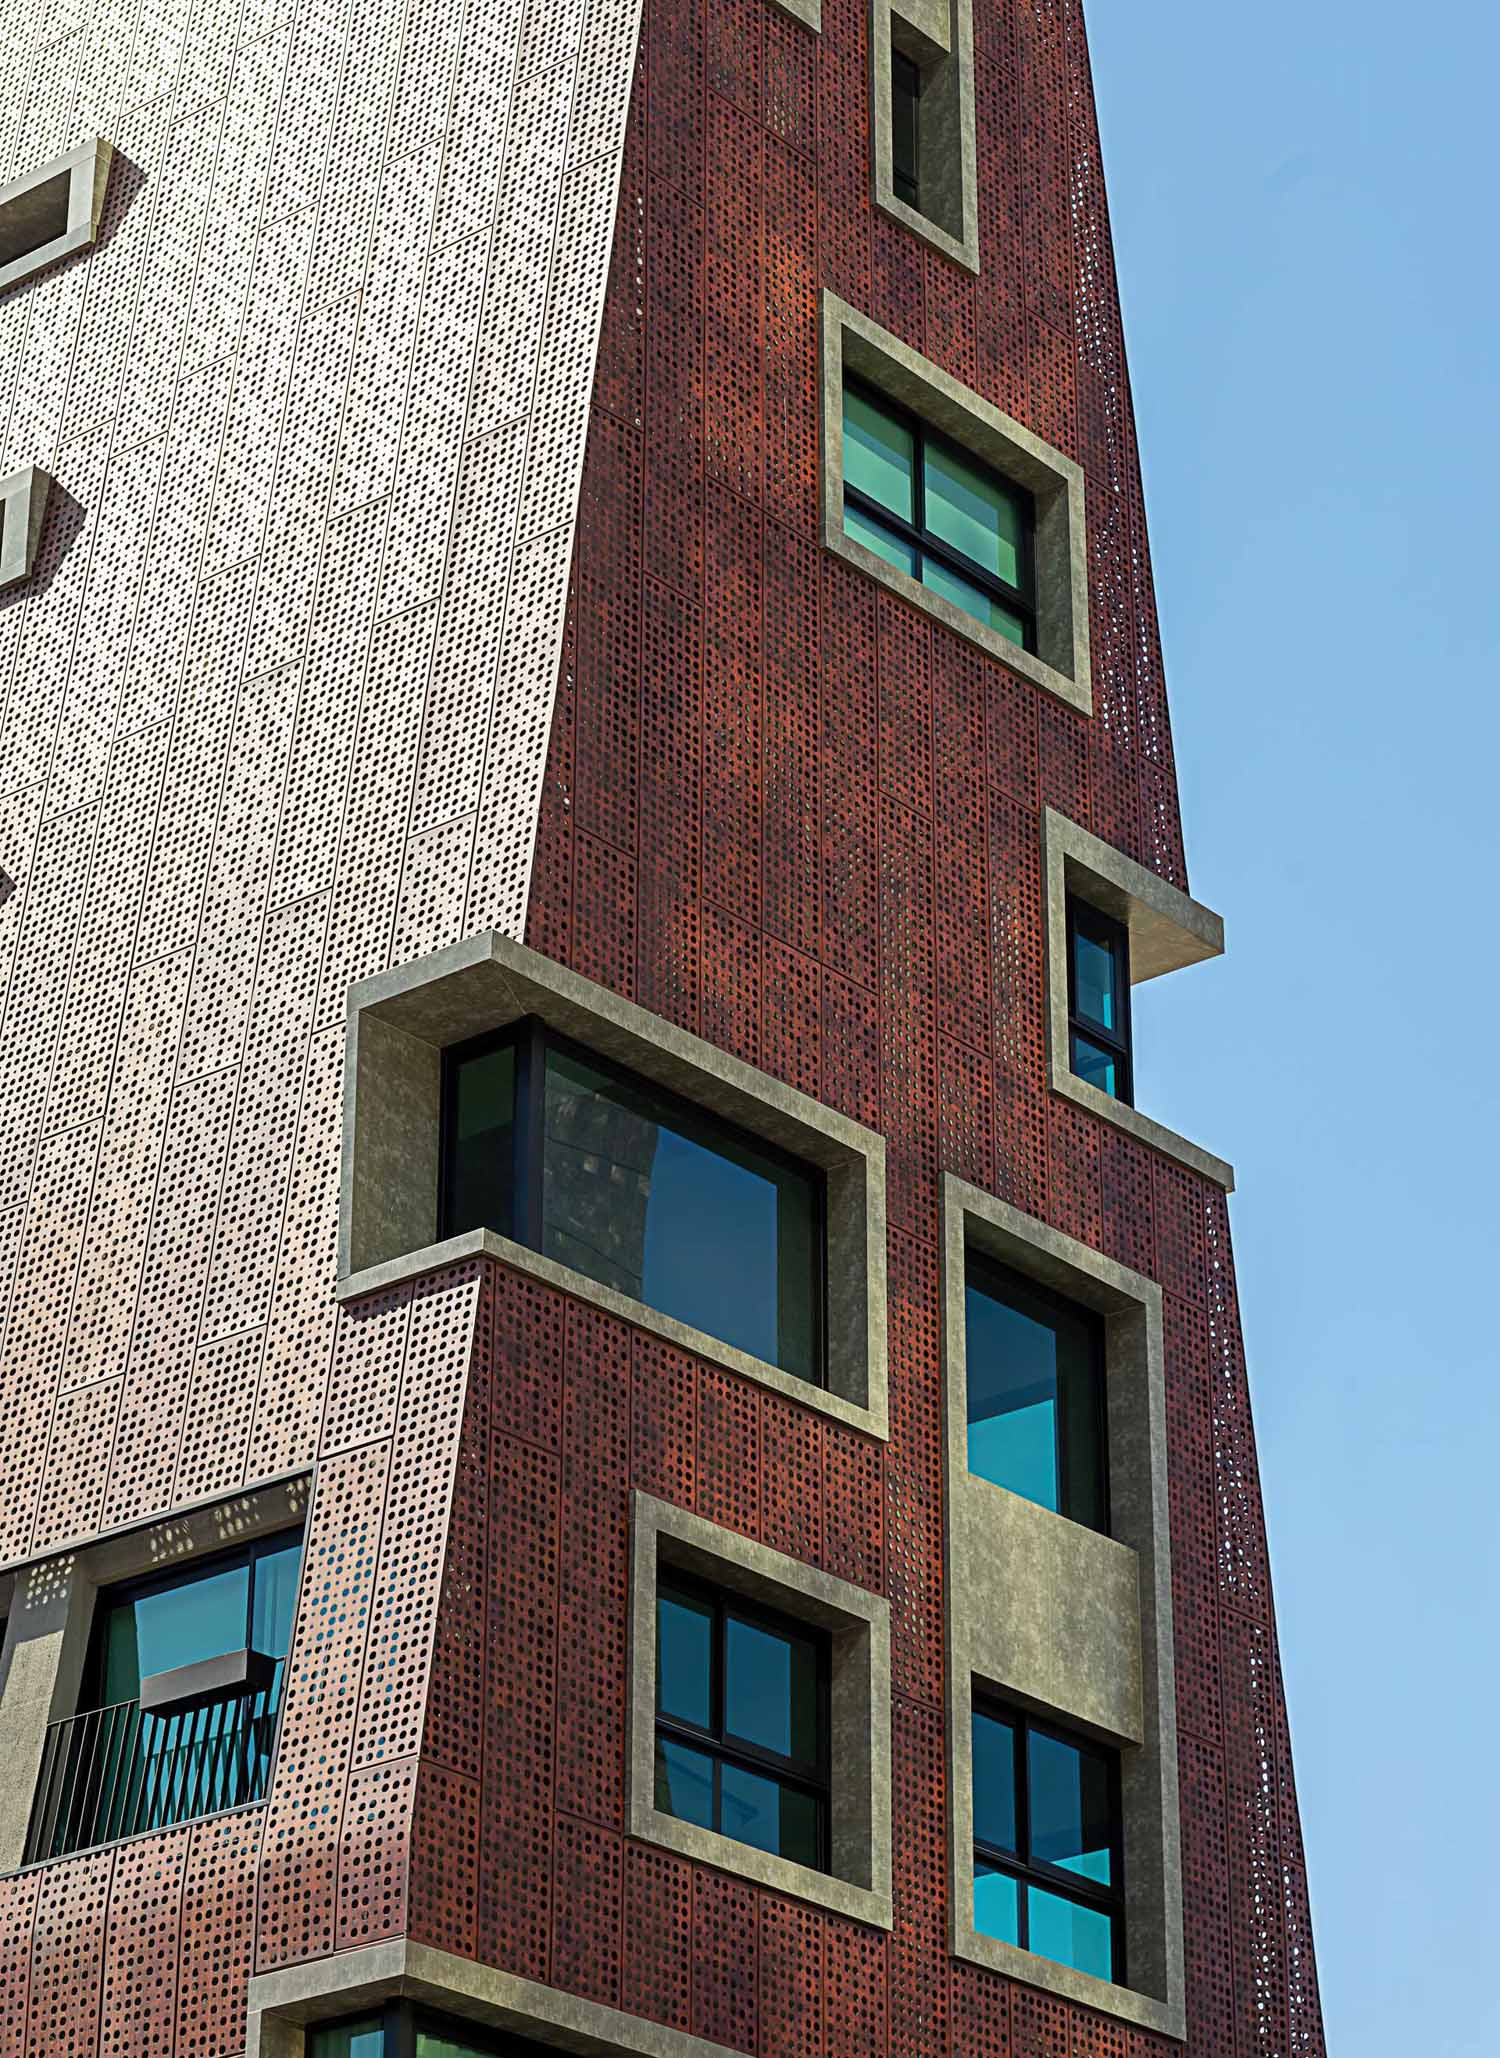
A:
(1304, 205)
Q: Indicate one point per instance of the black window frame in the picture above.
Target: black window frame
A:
(1056, 1879)
(906, 82)
(1020, 600)
(717, 1742)
(1003, 1283)
(531, 1038)
(400, 2022)
(1113, 935)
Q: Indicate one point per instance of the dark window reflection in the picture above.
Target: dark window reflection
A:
(1035, 1385)
(1099, 999)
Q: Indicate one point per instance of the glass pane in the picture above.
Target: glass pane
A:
(879, 455)
(684, 1783)
(875, 536)
(1070, 1812)
(1069, 1934)
(770, 1816)
(1099, 1067)
(975, 512)
(996, 1904)
(973, 599)
(479, 1174)
(356, 2040)
(771, 1690)
(274, 1599)
(906, 86)
(431, 2045)
(1013, 1398)
(1094, 981)
(994, 1782)
(201, 1618)
(684, 1661)
(674, 1211)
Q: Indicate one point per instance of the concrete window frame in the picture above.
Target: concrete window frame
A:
(23, 509)
(808, 12)
(399, 1024)
(1065, 1623)
(52, 210)
(51, 1618)
(1167, 930)
(938, 37)
(852, 342)
(858, 1625)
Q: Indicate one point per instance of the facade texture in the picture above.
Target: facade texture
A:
(434, 547)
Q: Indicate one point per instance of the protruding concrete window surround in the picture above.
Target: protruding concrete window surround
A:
(938, 37)
(1068, 1624)
(853, 343)
(399, 1025)
(810, 12)
(52, 211)
(52, 1614)
(858, 1626)
(1167, 931)
(23, 509)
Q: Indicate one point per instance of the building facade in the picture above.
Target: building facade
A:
(618, 1435)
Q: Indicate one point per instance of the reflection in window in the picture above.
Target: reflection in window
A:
(906, 97)
(402, 2031)
(637, 1190)
(741, 1725)
(1035, 1393)
(1099, 1000)
(1047, 1843)
(931, 510)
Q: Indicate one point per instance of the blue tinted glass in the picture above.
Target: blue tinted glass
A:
(684, 1644)
(684, 1783)
(202, 1618)
(938, 578)
(356, 2040)
(994, 1782)
(275, 1599)
(1070, 1811)
(996, 1904)
(878, 455)
(971, 510)
(677, 1213)
(1094, 981)
(769, 1815)
(480, 1172)
(1096, 1066)
(1069, 1934)
(875, 536)
(771, 1690)
(1013, 1398)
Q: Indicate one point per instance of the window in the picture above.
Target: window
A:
(906, 94)
(1047, 1844)
(401, 2031)
(52, 210)
(181, 1695)
(741, 1722)
(925, 507)
(1099, 1000)
(547, 1143)
(1036, 1393)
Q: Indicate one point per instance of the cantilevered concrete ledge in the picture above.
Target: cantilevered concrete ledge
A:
(23, 509)
(52, 210)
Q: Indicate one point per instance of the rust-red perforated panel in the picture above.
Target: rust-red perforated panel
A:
(139, 2001)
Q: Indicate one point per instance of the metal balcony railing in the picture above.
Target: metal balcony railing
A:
(114, 1772)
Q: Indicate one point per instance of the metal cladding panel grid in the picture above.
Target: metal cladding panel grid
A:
(805, 821)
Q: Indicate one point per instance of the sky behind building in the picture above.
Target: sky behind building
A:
(1303, 203)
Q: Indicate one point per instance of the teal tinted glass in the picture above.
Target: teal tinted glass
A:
(994, 1782)
(771, 1690)
(684, 1783)
(430, 2044)
(768, 1814)
(974, 512)
(875, 536)
(1097, 1067)
(673, 1209)
(479, 1175)
(938, 578)
(997, 1897)
(1070, 1808)
(684, 1658)
(177, 1625)
(1013, 1398)
(274, 1599)
(1094, 994)
(879, 455)
(1070, 1934)
(351, 2040)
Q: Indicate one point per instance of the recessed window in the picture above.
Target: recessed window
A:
(906, 96)
(1099, 1000)
(927, 508)
(180, 1702)
(52, 210)
(401, 2031)
(1036, 1393)
(549, 1144)
(1047, 1843)
(741, 1722)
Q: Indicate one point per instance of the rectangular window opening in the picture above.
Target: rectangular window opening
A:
(1099, 1049)
(906, 98)
(34, 218)
(402, 2030)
